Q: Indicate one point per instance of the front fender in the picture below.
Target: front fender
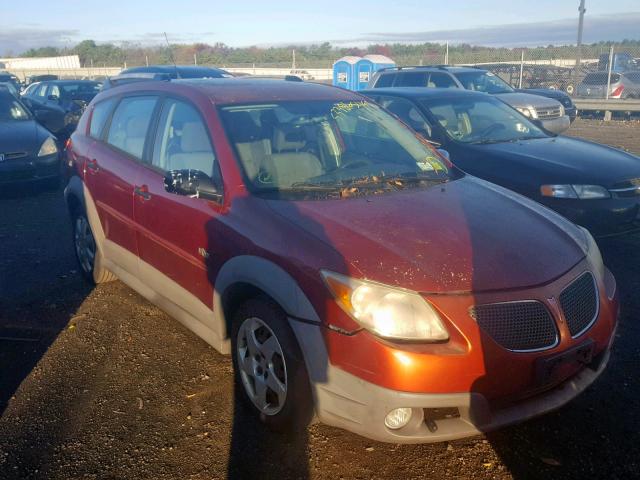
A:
(268, 277)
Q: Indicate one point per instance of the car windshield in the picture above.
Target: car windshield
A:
(600, 78)
(322, 146)
(481, 120)
(486, 82)
(11, 109)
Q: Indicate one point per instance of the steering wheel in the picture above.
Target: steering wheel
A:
(495, 127)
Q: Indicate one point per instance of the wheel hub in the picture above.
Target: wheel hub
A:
(261, 366)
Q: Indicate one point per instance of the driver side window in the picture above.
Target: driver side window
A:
(182, 141)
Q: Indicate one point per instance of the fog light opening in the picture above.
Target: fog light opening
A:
(433, 415)
(397, 418)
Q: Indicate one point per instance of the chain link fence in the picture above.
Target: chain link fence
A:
(590, 72)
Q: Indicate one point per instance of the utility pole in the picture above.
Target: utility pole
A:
(581, 9)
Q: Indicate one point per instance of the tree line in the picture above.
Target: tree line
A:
(323, 55)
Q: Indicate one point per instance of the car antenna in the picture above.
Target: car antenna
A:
(173, 60)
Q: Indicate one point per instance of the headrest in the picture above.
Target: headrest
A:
(288, 139)
(137, 127)
(194, 138)
(242, 127)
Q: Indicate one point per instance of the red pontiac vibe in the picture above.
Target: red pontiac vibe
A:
(354, 275)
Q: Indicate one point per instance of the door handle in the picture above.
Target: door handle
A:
(92, 165)
(142, 191)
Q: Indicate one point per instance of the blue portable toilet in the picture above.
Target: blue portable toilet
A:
(344, 72)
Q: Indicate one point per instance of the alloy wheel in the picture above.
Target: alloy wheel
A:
(85, 244)
(262, 366)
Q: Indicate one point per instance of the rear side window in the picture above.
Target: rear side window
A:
(99, 117)
(130, 123)
(385, 80)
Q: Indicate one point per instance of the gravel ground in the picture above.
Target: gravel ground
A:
(101, 384)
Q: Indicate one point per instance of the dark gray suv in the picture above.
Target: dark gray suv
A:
(548, 112)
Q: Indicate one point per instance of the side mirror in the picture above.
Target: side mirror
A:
(53, 98)
(444, 153)
(192, 183)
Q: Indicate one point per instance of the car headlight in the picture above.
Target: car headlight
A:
(528, 112)
(48, 147)
(583, 192)
(388, 312)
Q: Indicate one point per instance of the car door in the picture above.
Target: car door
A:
(113, 164)
(172, 228)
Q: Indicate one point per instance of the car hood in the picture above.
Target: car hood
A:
(444, 239)
(547, 92)
(517, 99)
(23, 136)
(564, 160)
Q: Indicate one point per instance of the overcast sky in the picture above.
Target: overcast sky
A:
(343, 22)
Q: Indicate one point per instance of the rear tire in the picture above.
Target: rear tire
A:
(270, 374)
(87, 252)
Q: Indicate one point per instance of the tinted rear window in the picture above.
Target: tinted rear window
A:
(412, 79)
(600, 78)
(385, 80)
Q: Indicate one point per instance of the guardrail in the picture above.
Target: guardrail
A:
(607, 105)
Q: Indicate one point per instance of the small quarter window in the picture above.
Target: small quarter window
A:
(99, 117)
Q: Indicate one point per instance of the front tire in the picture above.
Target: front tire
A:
(87, 252)
(270, 374)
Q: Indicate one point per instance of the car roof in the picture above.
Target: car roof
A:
(433, 68)
(172, 69)
(227, 91)
(66, 82)
(425, 92)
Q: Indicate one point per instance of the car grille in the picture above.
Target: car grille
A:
(630, 188)
(14, 155)
(579, 301)
(549, 113)
(518, 326)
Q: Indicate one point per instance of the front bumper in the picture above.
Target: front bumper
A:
(609, 216)
(350, 403)
(556, 125)
(29, 169)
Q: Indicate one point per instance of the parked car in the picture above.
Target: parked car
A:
(163, 72)
(181, 71)
(593, 185)
(350, 270)
(569, 108)
(41, 78)
(59, 104)
(9, 78)
(28, 152)
(549, 111)
(621, 85)
(9, 87)
(303, 74)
